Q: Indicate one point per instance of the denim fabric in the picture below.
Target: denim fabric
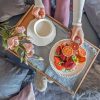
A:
(11, 78)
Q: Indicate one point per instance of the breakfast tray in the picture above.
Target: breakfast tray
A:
(70, 84)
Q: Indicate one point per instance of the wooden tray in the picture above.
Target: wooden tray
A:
(24, 21)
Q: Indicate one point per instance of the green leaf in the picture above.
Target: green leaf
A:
(56, 54)
(16, 49)
(21, 59)
(37, 57)
(20, 51)
(8, 33)
(60, 63)
(5, 23)
(5, 35)
(1, 28)
(22, 34)
(4, 44)
(23, 53)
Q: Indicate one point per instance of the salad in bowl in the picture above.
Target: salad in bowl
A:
(67, 58)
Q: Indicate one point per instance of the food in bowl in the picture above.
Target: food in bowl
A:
(68, 55)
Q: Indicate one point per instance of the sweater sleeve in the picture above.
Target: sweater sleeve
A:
(77, 11)
(38, 3)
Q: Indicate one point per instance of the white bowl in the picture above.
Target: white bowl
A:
(41, 32)
(70, 73)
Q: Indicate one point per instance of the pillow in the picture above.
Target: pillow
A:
(11, 78)
(9, 8)
(92, 9)
(26, 94)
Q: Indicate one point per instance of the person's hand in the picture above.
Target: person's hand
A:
(38, 12)
(77, 31)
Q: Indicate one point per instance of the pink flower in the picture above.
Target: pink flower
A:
(30, 54)
(28, 47)
(20, 29)
(12, 42)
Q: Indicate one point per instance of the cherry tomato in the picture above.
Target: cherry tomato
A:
(81, 59)
(78, 40)
(74, 46)
(81, 52)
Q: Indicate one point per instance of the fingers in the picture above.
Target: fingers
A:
(73, 36)
(81, 35)
(77, 32)
(39, 17)
(38, 12)
(69, 34)
(42, 12)
(82, 39)
(74, 33)
(35, 12)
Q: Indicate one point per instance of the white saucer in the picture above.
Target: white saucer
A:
(35, 39)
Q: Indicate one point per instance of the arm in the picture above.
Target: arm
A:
(77, 30)
(77, 11)
(38, 3)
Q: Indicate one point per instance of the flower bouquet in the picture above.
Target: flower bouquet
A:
(16, 40)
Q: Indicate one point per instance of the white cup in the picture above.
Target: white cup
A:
(45, 32)
(43, 28)
(41, 32)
